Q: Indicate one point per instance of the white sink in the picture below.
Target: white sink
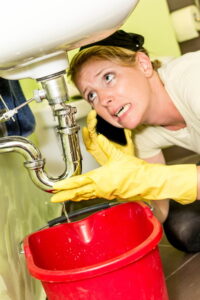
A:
(41, 31)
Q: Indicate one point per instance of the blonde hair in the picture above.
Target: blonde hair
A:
(118, 55)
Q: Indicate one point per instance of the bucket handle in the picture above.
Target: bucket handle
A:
(79, 212)
(85, 210)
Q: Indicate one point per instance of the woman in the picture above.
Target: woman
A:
(161, 104)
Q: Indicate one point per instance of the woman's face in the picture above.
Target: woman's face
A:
(120, 94)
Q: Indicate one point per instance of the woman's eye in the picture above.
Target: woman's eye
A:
(109, 77)
(91, 96)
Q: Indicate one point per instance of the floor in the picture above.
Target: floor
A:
(182, 272)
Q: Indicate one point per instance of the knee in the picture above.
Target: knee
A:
(182, 226)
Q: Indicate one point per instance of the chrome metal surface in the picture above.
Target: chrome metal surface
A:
(55, 89)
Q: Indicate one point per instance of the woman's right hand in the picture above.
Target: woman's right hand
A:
(128, 178)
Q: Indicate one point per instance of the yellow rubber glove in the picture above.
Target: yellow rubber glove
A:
(128, 178)
(91, 142)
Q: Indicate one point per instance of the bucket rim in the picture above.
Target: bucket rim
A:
(110, 265)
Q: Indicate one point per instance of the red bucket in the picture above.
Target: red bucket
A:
(112, 254)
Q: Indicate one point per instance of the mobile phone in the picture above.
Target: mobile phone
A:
(113, 133)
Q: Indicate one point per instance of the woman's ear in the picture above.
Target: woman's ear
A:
(144, 63)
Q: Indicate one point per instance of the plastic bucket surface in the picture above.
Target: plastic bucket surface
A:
(112, 254)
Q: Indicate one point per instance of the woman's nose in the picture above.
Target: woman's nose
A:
(106, 99)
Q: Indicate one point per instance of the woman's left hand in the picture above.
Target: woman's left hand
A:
(91, 141)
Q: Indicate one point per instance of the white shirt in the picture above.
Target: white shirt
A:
(181, 77)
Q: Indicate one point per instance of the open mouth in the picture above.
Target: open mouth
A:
(122, 110)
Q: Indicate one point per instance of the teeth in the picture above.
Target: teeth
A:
(122, 110)
(117, 113)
